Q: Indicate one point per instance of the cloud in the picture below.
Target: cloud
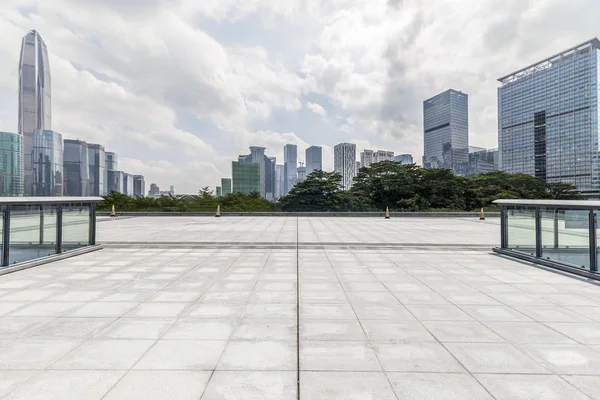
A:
(316, 108)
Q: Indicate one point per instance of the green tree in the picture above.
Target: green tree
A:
(320, 191)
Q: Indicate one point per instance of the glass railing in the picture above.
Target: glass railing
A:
(556, 233)
(36, 227)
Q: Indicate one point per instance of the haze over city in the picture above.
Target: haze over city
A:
(179, 88)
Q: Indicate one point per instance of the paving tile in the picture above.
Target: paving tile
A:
(587, 384)
(331, 330)
(214, 310)
(568, 359)
(404, 331)
(136, 328)
(182, 355)
(266, 329)
(46, 309)
(104, 354)
(251, 385)
(33, 353)
(10, 380)
(494, 313)
(528, 332)
(269, 310)
(529, 387)
(67, 385)
(159, 310)
(159, 385)
(259, 355)
(337, 356)
(437, 386)
(345, 386)
(551, 314)
(583, 332)
(494, 358)
(395, 312)
(193, 328)
(72, 327)
(438, 313)
(416, 357)
(8, 307)
(327, 311)
(464, 332)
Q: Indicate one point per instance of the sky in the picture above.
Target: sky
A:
(179, 88)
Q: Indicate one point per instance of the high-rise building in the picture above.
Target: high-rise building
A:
(76, 167)
(344, 162)
(290, 165)
(154, 190)
(48, 169)
(139, 186)
(172, 190)
(225, 186)
(548, 119)
(301, 173)
(279, 179)
(35, 113)
(266, 167)
(112, 161)
(218, 191)
(383, 155)
(11, 164)
(358, 166)
(116, 182)
(481, 161)
(404, 158)
(446, 130)
(245, 177)
(314, 159)
(97, 164)
(366, 158)
(128, 184)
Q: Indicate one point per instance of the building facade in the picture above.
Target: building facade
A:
(266, 167)
(35, 112)
(279, 179)
(116, 182)
(225, 186)
(76, 167)
(48, 168)
(344, 162)
(11, 164)
(139, 186)
(154, 190)
(245, 177)
(446, 130)
(97, 167)
(366, 158)
(112, 161)
(218, 191)
(548, 119)
(314, 159)
(404, 158)
(301, 173)
(383, 155)
(290, 165)
(480, 161)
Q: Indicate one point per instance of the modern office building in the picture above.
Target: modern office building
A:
(548, 119)
(225, 186)
(97, 166)
(35, 113)
(344, 162)
(366, 158)
(481, 160)
(446, 130)
(290, 165)
(218, 191)
(139, 186)
(404, 158)
(154, 190)
(266, 167)
(11, 164)
(116, 182)
(245, 177)
(48, 169)
(112, 161)
(76, 167)
(301, 174)
(128, 184)
(172, 190)
(279, 179)
(383, 155)
(314, 159)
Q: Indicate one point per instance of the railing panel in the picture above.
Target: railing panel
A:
(565, 236)
(76, 226)
(520, 223)
(25, 234)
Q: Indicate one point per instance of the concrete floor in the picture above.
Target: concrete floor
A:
(413, 322)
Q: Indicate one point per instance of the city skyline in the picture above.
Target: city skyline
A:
(372, 100)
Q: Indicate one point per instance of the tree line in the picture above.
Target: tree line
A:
(401, 187)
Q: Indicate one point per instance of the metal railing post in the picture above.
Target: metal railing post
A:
(538, 232)
(42, 224)
(59, 226)
(593, 243)
(6, 236)
(92, 224)
(556, 228)
(503, 228)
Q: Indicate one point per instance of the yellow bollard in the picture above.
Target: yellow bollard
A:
(387, 213)
(481, 215)
(113, 212)
(218, 214)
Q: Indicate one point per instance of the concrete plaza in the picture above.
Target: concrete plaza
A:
(286, 308)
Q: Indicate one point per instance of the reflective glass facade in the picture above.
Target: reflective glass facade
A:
(116, 182)
(344, 162)
(48, 170)
(97, 168)
(245, 177)
(314, 159)
(404, 158)
(11, 164)
(548, 119)
(279, 179)
(266, 167)
(225, 186)
(139, 186)
(112, 161)
(128, 184)
(77, 173)
(34, 99)
(446, 130)
(290, 164)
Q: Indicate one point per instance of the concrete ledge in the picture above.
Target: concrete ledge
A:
(304, 214)
(45, 260)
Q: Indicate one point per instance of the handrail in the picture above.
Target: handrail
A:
(5, 201)
(579, 204)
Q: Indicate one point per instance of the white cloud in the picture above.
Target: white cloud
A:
(316, 108)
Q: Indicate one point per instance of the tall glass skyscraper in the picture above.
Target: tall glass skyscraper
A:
(35, 113)
(112, 161)
(266, 169)
(314, 159)
(344, 162)
(245, 177)
(97, 164)
(290, 165)
(548, 118)
(139, 186)
(11, 164)
(48, 170)
(446, 130)
(76, 167)
(404, 158)
(116, 182)
(225, 186)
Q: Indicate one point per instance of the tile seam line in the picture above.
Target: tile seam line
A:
(297, 310)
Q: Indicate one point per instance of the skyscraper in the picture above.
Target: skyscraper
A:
(76, 167)
(11, 164)
(290, 165)
(245, 177)
(344, 162)
(314, 159)
(35, 113)
(112, 161)
(116, 182)
(301, 174)
(225, 186)
(266, 170)
(139, 186)
(366, 158)
(48, 170)
(279, 179)
(97, 164)
(383, 155)
(404, 158)
(446, 130)
(548, 119)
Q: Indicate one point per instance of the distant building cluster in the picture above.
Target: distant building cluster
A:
(38, 161)
(155, 192)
